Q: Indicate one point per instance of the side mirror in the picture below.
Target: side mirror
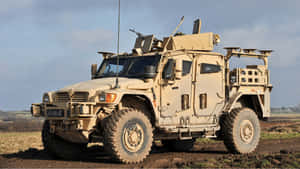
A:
(94, 70)
(178, 69)
(168, 72)
(149, 71)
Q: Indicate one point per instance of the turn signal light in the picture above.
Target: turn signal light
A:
(107, 97)
(110, 97)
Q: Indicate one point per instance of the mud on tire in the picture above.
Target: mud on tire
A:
(241, 131)
(57, 147)
(128, 135)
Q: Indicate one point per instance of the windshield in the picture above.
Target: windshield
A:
(131, 67)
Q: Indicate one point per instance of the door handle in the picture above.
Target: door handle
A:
(175, 88)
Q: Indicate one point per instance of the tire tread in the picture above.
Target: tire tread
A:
(111, 141)
(227, 125)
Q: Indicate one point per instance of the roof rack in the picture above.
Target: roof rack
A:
(237, 51)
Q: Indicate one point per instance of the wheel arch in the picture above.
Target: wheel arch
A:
(252, 101)
(142, 102)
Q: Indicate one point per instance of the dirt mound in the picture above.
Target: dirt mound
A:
(291, 128)
(280, 160)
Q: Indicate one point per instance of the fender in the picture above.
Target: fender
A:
(147, 100)
(253, 101)
(232, 101)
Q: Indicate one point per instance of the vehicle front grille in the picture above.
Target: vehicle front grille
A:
(62, 97)
(80, 97)
(77, 97)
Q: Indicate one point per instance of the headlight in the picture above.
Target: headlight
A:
(107, 97)
(102, 97)
(46, 98)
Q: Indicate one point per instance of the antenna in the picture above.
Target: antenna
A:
(181, 21)
(118, 46)
(197, 26)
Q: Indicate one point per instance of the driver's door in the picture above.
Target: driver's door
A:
(176, 93)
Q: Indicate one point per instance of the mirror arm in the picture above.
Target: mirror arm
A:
(93, 70)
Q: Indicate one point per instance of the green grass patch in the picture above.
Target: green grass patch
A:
(277, 135)
(206, 141)
(285, 113)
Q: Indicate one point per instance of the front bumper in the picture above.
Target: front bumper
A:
(76, 131)
(73, 122)
(63, 111)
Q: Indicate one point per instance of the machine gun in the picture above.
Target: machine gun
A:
(137, 33)
(145, 43)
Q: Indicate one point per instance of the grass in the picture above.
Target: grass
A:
(277, 135)
(206, 141)
(282, 113)
(293, 116)
(13, 142)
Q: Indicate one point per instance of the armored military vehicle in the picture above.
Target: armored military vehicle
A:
(174, 90)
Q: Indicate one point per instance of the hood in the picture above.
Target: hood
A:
(101, 84)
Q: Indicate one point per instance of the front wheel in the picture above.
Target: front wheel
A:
(241, 131)
(128, 135)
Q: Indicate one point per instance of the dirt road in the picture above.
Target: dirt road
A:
(159, 158)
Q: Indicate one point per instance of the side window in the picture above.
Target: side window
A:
(186, 67)
(168, 70)
(210, 68)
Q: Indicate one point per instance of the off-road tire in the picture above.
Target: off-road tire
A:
(59, 148)
(118, 125)
(233, 127)
(179, 145)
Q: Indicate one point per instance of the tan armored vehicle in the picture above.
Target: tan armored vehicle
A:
(174, 90)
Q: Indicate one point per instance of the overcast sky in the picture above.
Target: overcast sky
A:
(48, 44)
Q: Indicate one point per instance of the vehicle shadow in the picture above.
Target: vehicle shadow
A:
(97, 154)
(92, 154)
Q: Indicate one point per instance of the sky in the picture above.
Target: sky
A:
(48, 44)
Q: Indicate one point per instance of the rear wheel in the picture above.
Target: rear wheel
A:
(128, 135)
(179, 145)
(241, 131)
(58, 147)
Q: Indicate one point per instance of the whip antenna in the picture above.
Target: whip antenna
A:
(118, 46)
(173, 33)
